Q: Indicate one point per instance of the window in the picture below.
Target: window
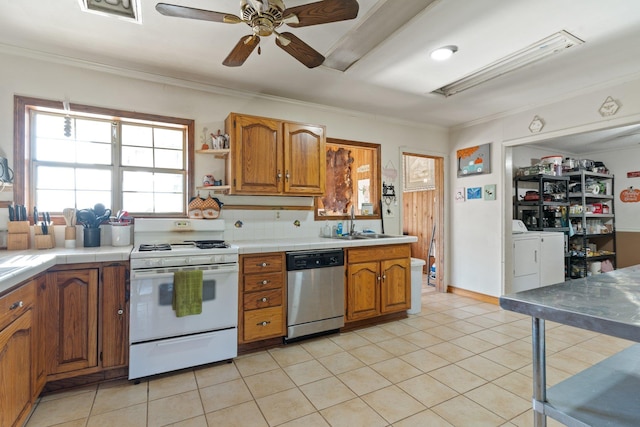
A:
(87, 155)
(352, 179)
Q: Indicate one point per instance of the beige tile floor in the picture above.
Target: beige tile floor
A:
(460, 362)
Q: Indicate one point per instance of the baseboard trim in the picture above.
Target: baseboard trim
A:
(474, 295)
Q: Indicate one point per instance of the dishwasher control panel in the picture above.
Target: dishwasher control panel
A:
(305, 260)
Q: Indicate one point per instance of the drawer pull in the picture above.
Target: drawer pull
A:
(17, 304)
(264, 282)
(263, 299)
(264, 264)
(120, 312)
(265, 323)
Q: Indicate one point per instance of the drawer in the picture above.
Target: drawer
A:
(264, 299)
(263, 323)
(375, 253)
(14, 304)
(265, 263)
(261, 282)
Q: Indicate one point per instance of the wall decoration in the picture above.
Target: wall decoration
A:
(388, 193)
(536, 125)
(490, 192)
(390, 171)
(419, 173)
(460, 194)
(634, 174)
(474, 193)
(630, 195)
(609, 107)
(474, 160)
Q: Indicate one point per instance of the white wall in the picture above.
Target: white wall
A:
(92, 85)
(481, 231)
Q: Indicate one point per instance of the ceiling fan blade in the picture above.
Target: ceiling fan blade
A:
(321, 12)
(299, 50)
(189, 12)
(241, 51)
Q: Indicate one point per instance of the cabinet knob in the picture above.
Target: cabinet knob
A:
(265, 323)
(264, 282)
(120, 312)
(264, 299)
(384, 277)
(15, 305)
(287, 175)
(279, 175)
(264, 264)
(379, 278)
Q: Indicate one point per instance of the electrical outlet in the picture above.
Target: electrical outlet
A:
(277, 215)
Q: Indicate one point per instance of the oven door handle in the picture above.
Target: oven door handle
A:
(163, 273)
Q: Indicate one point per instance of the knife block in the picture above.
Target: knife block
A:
(17, 235)
(44, 241)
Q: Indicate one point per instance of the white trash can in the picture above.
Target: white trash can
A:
(416, 285)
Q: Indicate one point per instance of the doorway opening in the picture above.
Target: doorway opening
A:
(423, 212)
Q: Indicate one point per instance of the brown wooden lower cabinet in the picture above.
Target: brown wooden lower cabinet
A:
(262, 301)
(16, 355)
(378, 281)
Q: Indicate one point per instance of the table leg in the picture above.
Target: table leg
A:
(539, 372)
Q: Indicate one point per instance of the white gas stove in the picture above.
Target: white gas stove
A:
(159, 339)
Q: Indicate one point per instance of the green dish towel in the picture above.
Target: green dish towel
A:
(187, 293)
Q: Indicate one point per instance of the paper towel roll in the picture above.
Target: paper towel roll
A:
(596, 267)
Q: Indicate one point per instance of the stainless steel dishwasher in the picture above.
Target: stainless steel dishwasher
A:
(315, 292)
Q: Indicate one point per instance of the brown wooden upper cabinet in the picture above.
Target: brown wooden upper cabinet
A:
(274, 157)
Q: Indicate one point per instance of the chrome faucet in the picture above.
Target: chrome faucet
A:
(352, 227)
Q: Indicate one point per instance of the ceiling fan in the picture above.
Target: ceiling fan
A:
(265, 17)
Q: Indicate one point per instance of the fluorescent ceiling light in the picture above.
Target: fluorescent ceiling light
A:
(128, 10)
(443, 53)
(555, 43)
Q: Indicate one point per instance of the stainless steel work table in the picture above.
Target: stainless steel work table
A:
(608, 393)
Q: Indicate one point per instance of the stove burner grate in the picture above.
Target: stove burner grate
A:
(209, 244)
(156, 247)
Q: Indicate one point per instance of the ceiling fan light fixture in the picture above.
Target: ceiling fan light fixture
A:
(443, 53)
(556, 43)
(128, 10)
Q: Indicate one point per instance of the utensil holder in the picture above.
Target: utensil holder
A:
(69, 237)
(44, 241)
(17, 235)
(91, 237)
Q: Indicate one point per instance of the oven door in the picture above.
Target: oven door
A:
(152, 316)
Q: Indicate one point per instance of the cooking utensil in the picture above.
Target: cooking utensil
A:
(69, 215)
(12, 213)
(35, 215)
(44, 225)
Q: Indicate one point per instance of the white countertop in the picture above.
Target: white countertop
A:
(308, 243)
(18, 266)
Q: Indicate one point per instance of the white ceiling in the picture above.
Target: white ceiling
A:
(394, 79)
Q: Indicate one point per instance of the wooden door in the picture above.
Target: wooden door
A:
(395, 293)
(256, 155)
(15, 366)
(304, 159)
(422, 214)
(115, 317)
(72, 320)
(363, 290)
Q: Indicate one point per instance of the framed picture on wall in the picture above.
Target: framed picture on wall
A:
(474, 160)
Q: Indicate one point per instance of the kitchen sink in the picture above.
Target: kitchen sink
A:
(375, 236)
(351, 237)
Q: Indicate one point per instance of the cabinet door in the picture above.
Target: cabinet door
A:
(72, 314)
(526, 262)
(115, 316)
(40, 336)
(395, 292)
(256, 155)
(363, 290)
(15, 366)
(551, 258)
(304, 159)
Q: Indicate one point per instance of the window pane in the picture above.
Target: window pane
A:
(136, 156)
(88, 199)
(93, 130)
(94, 153)
(137, 135)
(49, 126)
(54, 178)
(168, 203)
(137, 202)
(137, 181)
(55, 200)
(55, 150)
(168, 138)
(169, 159)
(93, 179)
(168, 183)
